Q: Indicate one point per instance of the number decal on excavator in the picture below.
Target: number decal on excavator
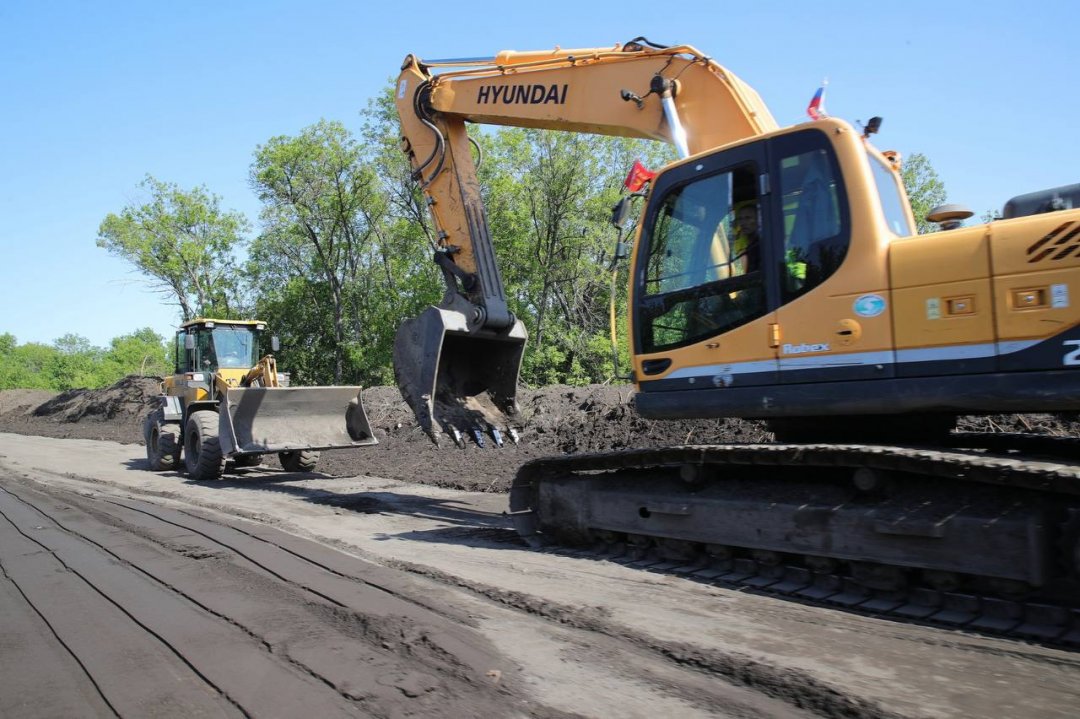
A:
(1072, 358)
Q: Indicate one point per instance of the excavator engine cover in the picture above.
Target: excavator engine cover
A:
(283, 419)
(455, 377)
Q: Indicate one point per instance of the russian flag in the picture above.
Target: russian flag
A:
(816, 108)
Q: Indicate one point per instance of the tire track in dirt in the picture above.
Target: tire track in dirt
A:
(578, 651)
(722, 702)
(395, 683)
(792, 686)
(106, 639)
(26, 666)
(695, 684)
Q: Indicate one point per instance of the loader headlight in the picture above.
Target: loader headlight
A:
(196, 377)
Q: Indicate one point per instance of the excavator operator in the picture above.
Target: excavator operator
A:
(747, 244)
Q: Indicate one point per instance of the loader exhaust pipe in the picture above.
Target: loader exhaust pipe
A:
(457, 379)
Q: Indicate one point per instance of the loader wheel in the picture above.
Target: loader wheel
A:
(202, 450)
(303, 460)
(162, 445)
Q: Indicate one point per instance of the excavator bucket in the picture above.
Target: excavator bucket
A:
(460, 380)
(255, 420)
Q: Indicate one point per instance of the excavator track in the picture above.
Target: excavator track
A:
(953, 536)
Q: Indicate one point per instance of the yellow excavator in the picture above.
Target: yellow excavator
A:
(858, 340)
(226, 404)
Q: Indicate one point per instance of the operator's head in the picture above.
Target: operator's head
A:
(746, 220)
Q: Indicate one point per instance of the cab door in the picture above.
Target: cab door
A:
(821, 316)
(705, 295)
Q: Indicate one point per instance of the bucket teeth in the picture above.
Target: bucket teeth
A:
(514, 437)
(497, 436)
(452, 373)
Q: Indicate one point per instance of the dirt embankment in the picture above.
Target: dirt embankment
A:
(555, 420)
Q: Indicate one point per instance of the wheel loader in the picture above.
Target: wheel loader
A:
(227, 406)
(858, 341)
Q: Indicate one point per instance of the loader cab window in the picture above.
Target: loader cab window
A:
(204, 351)
(234, 347)
(814, 212)
(702, 275)
(184, 363)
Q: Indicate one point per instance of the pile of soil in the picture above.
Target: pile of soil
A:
(554, 420)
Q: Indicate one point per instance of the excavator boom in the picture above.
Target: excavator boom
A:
(457, 364)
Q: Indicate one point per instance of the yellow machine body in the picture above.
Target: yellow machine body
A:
(219, 368)
(840, 310)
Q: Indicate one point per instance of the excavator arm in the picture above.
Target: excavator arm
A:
(457, 364)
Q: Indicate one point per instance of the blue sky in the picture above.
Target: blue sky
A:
(97, 95)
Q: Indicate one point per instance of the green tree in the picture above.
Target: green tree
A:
(76, 363)
(323, 208)
(924, 188)
(184, 243)
(25, 366)
(71, 362)
(549, 197)
(142, 353)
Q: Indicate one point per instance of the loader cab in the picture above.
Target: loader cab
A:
(212, 345)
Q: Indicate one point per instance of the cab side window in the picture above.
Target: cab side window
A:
(815, 224)
(204, 351)
(183, 363)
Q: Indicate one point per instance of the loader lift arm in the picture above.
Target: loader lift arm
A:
(450, 357)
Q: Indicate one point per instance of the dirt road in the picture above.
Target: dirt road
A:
(128, 593)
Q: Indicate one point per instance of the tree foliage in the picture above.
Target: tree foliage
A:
(549, 196)
(322, 218)
(185, 245)
(71, 362)
(924, 188)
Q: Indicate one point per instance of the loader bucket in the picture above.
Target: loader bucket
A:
(280, 419)
(458, 379)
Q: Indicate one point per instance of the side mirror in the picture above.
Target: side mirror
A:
(189, 342)
(620, 212)
(275, 343)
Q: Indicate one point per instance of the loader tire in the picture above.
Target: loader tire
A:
(303, 460)
(162, 444)
(202, 450)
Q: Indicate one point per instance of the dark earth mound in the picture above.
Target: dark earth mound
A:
(555, 420)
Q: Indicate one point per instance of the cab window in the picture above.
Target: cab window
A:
(180, 356)
(892, 197)
(814, 213)
(234, 347)
(204, 351)
(702, 274)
